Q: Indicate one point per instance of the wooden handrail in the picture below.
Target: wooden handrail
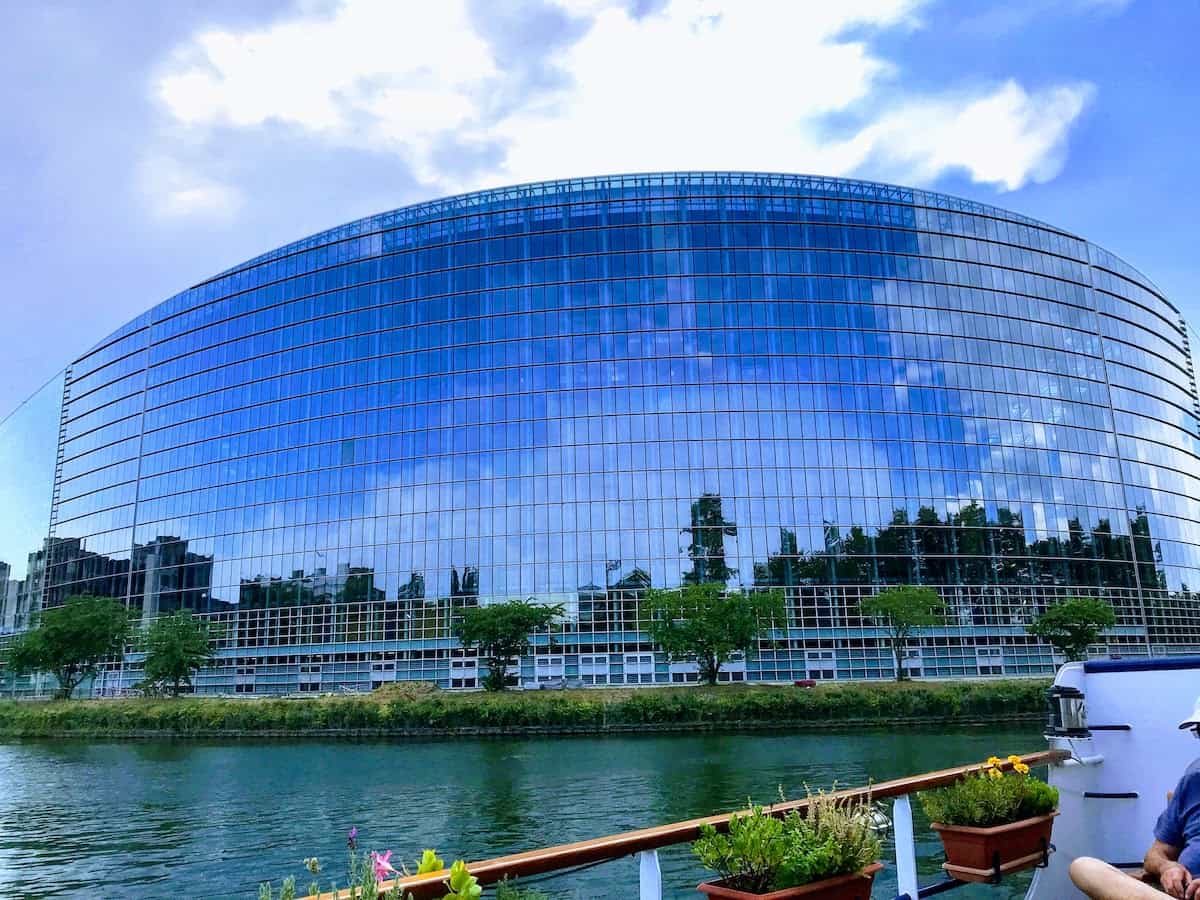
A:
(615, 846)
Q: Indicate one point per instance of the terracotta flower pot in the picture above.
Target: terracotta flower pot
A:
(855, 886)
(974, 854)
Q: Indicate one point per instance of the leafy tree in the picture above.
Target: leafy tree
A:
(903, 609)
(70, 641)
(500, 632)
(177, 646)
(1073, 624)
(706, 623)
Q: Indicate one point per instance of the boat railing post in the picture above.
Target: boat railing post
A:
(650, 875)
(906, 851)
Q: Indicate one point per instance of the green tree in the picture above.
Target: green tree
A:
(903, 609)
(177, 646)
(706, 623)
(500, 632)
(70, 641)
(1073, 624)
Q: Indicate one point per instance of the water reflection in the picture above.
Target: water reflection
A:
(502, 804)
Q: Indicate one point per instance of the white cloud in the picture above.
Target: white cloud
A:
(700, 84)
(373, 70)
(1004, 137)
(740, 89)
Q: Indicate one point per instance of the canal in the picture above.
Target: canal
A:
(186, 819)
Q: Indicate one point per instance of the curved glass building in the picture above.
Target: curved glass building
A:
(574, 390)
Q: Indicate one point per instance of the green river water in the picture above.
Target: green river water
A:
(194, 820)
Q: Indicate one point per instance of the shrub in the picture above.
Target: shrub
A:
(408, 707)
(991, 797)
(762, 853)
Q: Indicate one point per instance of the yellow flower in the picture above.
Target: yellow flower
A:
(995, 774)
(1021, 768)
(994, 761)
(1014, 759)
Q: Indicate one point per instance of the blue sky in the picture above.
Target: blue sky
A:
(146, 146)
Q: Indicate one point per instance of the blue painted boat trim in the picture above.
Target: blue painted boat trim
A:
(1142, 664)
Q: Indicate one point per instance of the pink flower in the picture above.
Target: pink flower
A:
(383, 868)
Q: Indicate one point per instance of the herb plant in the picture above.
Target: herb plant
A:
(750, 855)
(763, 853)
(991, 797)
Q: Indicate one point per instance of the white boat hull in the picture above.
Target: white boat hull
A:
(1117, 782)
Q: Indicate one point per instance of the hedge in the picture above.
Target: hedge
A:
(425, 710)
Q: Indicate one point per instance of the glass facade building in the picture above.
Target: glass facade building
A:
(575, 390)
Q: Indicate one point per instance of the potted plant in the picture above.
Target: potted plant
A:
(830, 853)
(993, 822)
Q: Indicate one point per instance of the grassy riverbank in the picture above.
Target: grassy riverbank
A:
(420, 710)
